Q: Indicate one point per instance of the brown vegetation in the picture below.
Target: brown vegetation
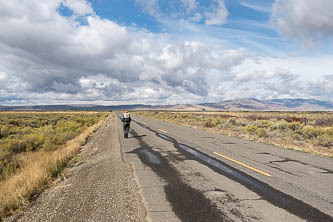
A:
(305, 131)
(34, 147)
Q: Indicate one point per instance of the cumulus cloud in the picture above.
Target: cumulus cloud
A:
(79, 7)
(217, 14)
(305, 20)
(101, 59)
(269, 78)
(49, 58)
(321, 87)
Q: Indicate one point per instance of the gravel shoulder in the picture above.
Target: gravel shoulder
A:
(100, 186)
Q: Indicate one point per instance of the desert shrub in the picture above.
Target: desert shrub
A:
(261, 132)
(325, 140)
(252, 117)
(251, 129)
(8, 166)
(324, 121)
(171, 116)
(263, 123)
(309, 132)
(34, 141)
(299, 119)
(4, 131)
(15, 146)
(183, 116)
(216, 121)
(198, 119)
(225, 116)
(295, 126)
(329, 132)
(232, 121)
(209, 123)
(296, 136)
(281, 125)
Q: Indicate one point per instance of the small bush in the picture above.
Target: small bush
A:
(296, 136)
(309, 132)
(209, 123)
(281, 125)
(232, 121)
(264, 123)
(251, 129)
(325, 140)
(328, 121)
(261, 133)
(295, 126)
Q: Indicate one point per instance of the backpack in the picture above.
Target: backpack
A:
(126, 118)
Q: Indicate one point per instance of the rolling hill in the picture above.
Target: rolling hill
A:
(237, 104)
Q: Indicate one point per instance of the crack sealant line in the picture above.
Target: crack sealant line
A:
(163, 131)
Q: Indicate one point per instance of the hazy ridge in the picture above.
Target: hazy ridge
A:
(237, 104)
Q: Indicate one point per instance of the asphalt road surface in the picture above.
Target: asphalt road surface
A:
(186, 174)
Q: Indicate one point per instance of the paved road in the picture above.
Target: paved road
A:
(191, 175)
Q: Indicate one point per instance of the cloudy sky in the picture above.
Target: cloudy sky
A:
(164, 51)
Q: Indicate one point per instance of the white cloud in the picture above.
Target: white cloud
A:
(149, 6)
(214, 12)
(217, 14)
(79, 7)
(305, 20)
(104, 62)
(190, 5)
(3, 76)
(293, 77)
(261, 6)
(101, 59)
(195, 18)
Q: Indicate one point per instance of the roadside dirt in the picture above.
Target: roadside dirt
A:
(100, 186)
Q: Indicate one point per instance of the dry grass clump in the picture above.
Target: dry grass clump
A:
(306, 131)
(36, 170)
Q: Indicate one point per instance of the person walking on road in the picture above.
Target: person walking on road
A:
(126, 119)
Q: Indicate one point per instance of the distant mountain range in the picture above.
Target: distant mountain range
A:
(237, 104)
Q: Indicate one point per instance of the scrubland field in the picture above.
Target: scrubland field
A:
(304, 131)
(34, 147)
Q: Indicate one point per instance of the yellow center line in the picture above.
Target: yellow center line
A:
(162, 131)
(242, 164)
